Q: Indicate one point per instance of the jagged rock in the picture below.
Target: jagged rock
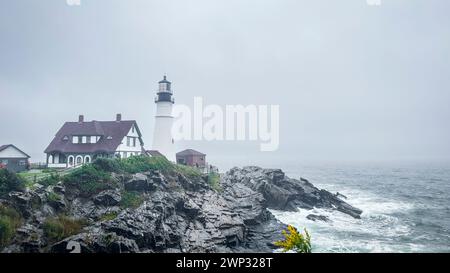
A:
(339, 195)
(20, 198)
(95, 243)
(59, 188)
(175, 213)
(315, 217)
(30, 238)
(188, 207)
(139, 182)
(108, 198)
(58, 205)
(23, 202)
(56, 201)
(283, 193)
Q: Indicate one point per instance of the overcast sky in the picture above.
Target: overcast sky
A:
(353, 81)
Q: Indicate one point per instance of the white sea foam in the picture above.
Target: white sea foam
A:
(374, 232)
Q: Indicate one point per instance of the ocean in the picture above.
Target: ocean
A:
(406, 207)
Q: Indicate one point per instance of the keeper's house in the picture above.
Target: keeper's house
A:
(13, 159)
(81, 142)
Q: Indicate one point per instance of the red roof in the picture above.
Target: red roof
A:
(190, 152)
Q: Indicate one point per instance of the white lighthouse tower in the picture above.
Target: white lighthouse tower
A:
(162, 134)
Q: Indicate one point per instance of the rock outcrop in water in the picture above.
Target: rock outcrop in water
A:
(174, 213)
(284, 193)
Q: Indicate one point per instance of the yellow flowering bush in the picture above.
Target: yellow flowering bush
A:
(295, 241)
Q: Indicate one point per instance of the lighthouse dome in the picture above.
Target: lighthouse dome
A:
(164, 93)
(164, 85)
(164, 80)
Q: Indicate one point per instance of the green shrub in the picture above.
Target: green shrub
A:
(107, 165)
(214, 181)
(53, 197)
(58, 228)
(131, 200)
(10, 220)
(50, 180)
(48, 170)
(188, 171)
(295, 241)
(89, 180)
(108, 216)
(133, 164)
(92, 178)
(10, 182)
(136, 164)
(109, 238)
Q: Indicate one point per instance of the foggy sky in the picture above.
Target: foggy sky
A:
(354, 82)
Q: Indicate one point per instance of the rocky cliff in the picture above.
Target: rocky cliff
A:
(155, 211)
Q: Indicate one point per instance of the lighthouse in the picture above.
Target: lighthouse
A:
(162, 134)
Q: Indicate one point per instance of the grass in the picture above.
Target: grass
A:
(109, 216)
(30, 175)
(93, 178)
(89, 180)
(214, 182)
(10, 220)
(134, 164)
(131, 200)
(50, 180)
(137, 164)
(188, 171)
(45, 177)
(58, 228)
(53, 197)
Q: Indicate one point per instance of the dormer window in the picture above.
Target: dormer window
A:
(65, 138)
(109, 137)
(84, 139)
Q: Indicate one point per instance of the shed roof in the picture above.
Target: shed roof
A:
(189, 152)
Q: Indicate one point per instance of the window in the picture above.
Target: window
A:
(75, 139)
(22, 162)
(125, 154)
(88, 139)
(83, 139)
(128, 141)
(65, 138)
(4, 161)
(134, 142)
(132, 129)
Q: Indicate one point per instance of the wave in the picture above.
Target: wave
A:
(377, 230)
